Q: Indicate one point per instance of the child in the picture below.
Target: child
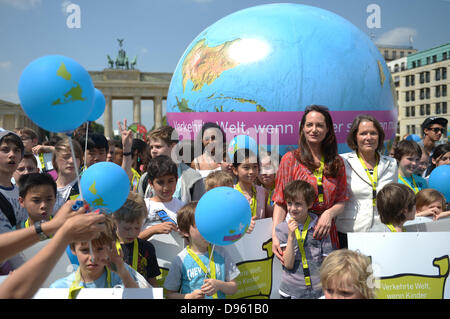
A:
(217, 179)
(162, 175)
(302, 253)
(266, 176)
(37, 194)
(190, 184)
(97, 148)
(27, 165)
(396, 203)
(11, 154)
(107, 271)
(138, 253)
(246, 168)
(186, 278)
(422, 165)
(408, 154)
(345, 274)
(66, 183)
(441, 156)
(432, 203)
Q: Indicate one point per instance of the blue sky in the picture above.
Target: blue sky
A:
(158, 32)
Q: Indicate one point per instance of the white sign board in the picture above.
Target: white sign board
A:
(409, 265)
(101, 293)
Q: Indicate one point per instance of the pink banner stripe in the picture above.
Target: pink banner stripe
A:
(268, 124)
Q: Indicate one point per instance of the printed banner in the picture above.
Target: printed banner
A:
(408, 265)
(267, 125)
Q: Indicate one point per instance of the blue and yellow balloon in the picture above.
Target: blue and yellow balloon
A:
(222, 216)
(99, 106)
(105, 186)
(56, 93)
(438, 180)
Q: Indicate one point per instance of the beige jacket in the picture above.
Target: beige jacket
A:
(359, 214)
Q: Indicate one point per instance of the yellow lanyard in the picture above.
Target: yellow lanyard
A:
(135, 179)
(75, 287)
(301, 246)
(318, 173)
(41, 159)
(415, 189)
(212, 265)
(135, 252)
(253, 199)
(373, 180)
(391, 228)
(269, 199)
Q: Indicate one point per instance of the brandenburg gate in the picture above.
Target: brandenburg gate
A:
(123, 84)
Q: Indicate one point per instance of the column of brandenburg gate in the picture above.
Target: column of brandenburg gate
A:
(122, 84)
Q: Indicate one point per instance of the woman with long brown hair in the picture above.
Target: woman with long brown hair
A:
(316, 161)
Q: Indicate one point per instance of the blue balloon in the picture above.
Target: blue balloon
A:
(56, 93)
(242, 141)
(439, 180)
(105, 186)
(223, 216)
(99, 106)
(413, 137)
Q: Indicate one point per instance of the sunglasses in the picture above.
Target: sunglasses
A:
(437, 130)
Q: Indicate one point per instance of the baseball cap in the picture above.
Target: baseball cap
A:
(434, 120)
(5, 133)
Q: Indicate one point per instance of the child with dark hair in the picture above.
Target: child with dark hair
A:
(97, 148)
(396, 204)
(37, 194)
(162, 175)
(139, 254)
(11, 154)
(408, 154)
(246, 169)
(302, 253)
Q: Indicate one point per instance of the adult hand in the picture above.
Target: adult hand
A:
(64, 213)
(323, 226)
(83, 227)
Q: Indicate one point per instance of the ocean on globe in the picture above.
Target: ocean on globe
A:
(254, 71)
(56, 93)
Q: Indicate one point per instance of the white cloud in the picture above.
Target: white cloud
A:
(5, 65)
(397, 36)
(22, 4)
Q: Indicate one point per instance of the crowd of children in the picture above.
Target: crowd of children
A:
(163, 198)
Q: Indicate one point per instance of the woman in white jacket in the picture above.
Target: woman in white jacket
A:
(367, 172)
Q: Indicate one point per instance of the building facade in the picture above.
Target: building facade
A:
(421, 88)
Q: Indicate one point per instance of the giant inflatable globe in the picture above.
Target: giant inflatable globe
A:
(254, 71)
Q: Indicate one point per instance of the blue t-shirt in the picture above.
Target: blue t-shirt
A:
(101, 282)
(420, 182)
(185, 275)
